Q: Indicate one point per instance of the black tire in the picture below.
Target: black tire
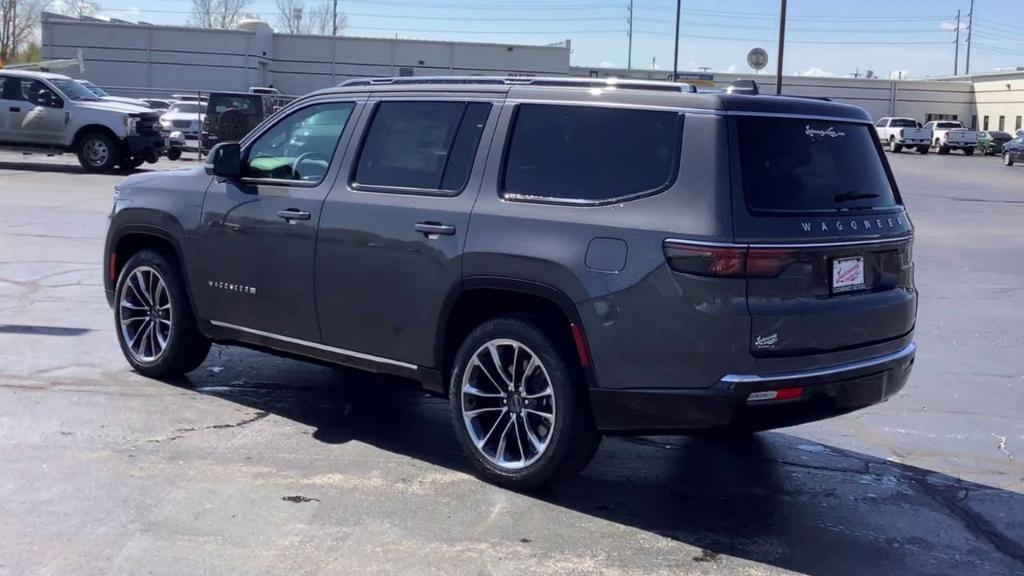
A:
(922, 150)
(968, 151)
(893, 146)
(572, 439)
(943, 150)
(97, 152)
(131, 164)
(173, 154)
(186, 348)
(1007, 160)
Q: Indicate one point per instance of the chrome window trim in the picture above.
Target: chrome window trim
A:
(317, 346)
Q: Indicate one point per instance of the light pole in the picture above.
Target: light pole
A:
(782, 48)
(675, 59)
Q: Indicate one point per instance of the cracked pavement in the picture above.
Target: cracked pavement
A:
(267, 465)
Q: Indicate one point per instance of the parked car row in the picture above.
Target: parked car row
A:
(945, 136)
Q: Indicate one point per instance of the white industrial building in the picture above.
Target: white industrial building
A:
(136, 59)
(126, 57)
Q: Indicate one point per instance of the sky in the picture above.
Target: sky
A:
(915, 38)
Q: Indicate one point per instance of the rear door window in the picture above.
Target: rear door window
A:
(590, 154)
(426, 146)
(793, 165)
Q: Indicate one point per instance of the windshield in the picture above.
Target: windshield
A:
(188, 108)
(95, 89)
(74, 90)
(804, 165)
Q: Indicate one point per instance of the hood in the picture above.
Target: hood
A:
(123, 100)
(182, 116)
(111, 106)
(164, 179)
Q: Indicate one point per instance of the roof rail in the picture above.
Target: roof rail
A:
(568, 82)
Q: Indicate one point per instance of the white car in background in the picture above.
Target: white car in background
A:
(106, 97)
(181, 126)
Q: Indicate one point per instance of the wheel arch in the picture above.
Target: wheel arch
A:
(130, 239)
(90, 128)
(483, 297)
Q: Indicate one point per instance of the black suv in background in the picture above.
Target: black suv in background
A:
(232, 115)
(564, 258)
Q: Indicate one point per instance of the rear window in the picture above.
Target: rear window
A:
(804, 165)
(247, 104)
(948, 125)
(1000, 135)
(589, 154)
(903, 123)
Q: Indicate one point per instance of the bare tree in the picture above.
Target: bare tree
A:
(293, 18)
(18, 21)
(78, 8)
(218, 13)
(322, 20)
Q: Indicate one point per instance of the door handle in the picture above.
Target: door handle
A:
(14, 109)
(293, 214)
(435, 229)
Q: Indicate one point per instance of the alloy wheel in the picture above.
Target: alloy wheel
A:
(145, 314)
(508, 404)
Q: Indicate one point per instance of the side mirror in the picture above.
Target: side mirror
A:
(46, 98)
(225, 160)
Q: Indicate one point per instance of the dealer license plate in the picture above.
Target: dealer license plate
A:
(847, 274)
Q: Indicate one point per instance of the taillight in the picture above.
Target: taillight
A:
(945, 136)
(727, 262)
(901, 132)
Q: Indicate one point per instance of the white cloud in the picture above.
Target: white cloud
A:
(816, 71)
(731, 69)
(948, 25)
(607, 64)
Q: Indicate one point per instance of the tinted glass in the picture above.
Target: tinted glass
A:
(460, 162)
(299, 147)
(247, 104)
(188, 108)
(956, 124)
(408, 144)
(796, 165)
(1000, 135)
(73, 89)
(903, 123)
(590, 154)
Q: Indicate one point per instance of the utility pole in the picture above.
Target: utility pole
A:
(956, 54)
(334, 19)
(629, 19)
(970, 33)
(782, 48)
(675, 59)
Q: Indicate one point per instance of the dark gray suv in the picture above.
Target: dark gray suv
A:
(563, 258)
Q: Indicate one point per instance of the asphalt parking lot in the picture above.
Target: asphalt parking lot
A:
(263, 465)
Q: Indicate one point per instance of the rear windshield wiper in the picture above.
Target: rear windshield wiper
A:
(847, 196)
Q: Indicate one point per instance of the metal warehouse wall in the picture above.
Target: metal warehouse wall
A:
(1001, 97)
(914, 98)
(145, 56)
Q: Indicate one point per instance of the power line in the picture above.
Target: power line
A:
(769, 40)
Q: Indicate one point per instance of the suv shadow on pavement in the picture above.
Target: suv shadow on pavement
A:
(773, 498)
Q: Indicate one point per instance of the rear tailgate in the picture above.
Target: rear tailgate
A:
(962, 137)
(830, 262)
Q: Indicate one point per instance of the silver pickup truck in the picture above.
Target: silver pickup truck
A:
(900, 133)
(54, 114)
(951, 135)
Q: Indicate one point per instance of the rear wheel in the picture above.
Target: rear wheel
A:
(893, 146)
(519, 405)
(922, 149)
(174, 154)
(943, 149)
(97, 152)
(968, 151)
(153, 318)
(1007, 160)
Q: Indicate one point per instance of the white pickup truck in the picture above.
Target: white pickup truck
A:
(54, 114)
(900, 133)
(951, 135)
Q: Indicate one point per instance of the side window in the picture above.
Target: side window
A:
(300, 146)
(428, 146)
(881, 123)
(589, 154)
(3, 93)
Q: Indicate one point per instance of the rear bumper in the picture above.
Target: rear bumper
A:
(824, 392)
(913, 142)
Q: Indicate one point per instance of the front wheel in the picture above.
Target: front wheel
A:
(893, 146)
(97, 152)
(153, 318)
(1007, 160)
(519, 405)
(174, 154)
